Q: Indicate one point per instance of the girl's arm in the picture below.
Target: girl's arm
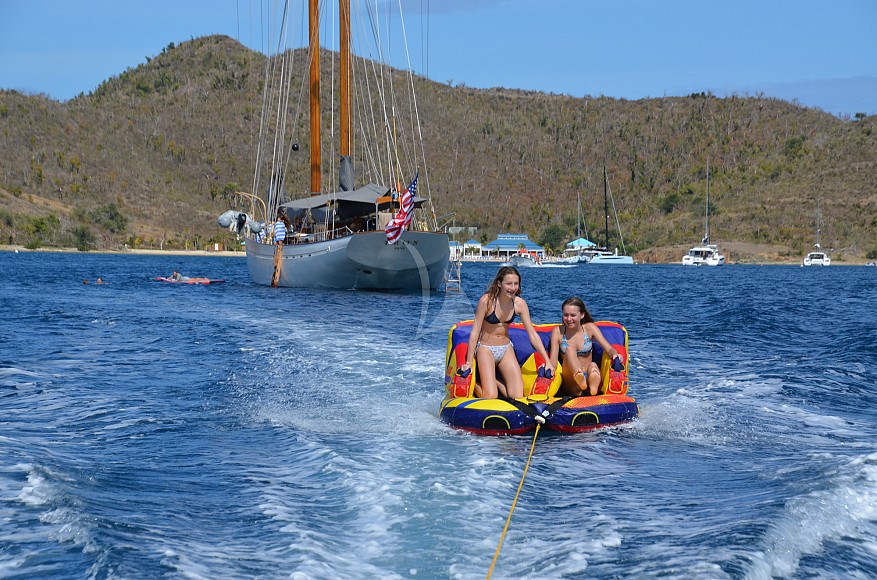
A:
(477, 320)
(535, 341)
(555, 346)
(595, 334)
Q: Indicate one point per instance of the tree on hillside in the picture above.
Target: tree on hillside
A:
(553, 237)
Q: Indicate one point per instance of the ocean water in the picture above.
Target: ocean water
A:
(151, 430)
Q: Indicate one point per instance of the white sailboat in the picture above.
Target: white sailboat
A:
(574, 253)
(604, 255)
(817, 257)
(339, 238)
(705, 254)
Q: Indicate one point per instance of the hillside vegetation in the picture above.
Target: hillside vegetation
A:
(153, 156)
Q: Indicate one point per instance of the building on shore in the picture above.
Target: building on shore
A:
(506, 245)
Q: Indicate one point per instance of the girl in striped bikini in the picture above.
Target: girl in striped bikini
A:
(574, 341)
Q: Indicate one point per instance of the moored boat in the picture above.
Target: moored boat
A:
(705, 254)
(601, 257)
(377, 236)
(541, 404)
(525, 259)
(569, 259)
(604, 255)
(817, 257)
(573, 253)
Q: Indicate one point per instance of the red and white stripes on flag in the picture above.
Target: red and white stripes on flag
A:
(402, 219)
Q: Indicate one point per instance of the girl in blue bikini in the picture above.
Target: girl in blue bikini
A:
(489, 342)
(574, 341)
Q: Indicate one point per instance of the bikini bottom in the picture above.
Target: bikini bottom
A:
(497, 351)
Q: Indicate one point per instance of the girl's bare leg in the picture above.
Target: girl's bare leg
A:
(486, 373)
(511, 374)
(578, 387)
(594, 379)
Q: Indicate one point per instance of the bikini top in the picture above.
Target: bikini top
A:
(587, 347)
(492, 319)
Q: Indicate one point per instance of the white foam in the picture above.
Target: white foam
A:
(683, 416)
(186, 567)
(37, 492)
(16, 372)
(726, 410)
(40, 496)
(846, 507)
(11, 565)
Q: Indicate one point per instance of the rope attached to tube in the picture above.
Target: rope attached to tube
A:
(514, 503)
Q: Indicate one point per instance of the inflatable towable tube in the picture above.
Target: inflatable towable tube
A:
(541, 402)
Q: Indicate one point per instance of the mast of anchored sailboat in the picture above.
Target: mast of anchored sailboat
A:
(707, 237)
(606, 205)
(314, 97)
(345, 102)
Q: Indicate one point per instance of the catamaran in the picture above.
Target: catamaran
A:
(817, 257)
(705, 254)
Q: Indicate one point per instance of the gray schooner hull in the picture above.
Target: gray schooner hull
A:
(361, 261)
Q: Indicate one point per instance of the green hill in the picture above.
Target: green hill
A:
(151, 157)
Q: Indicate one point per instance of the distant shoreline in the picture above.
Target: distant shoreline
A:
(234, 254)
(213, 253)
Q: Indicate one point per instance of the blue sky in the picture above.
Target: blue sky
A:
(820, 53)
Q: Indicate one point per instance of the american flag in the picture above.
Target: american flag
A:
(403, 218)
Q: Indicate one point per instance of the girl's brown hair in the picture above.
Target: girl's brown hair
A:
(496, 285)
(578, 303)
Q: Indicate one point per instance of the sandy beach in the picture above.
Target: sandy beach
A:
(220, 254)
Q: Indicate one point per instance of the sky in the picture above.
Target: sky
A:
(817, 53)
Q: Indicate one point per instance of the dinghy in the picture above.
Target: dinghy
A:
(187, 280)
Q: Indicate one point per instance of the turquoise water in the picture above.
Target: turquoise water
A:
(237, 431)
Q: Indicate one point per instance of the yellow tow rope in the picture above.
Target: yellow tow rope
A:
(514, 503)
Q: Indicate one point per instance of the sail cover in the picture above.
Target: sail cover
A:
(346, 176)
(366, 196)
